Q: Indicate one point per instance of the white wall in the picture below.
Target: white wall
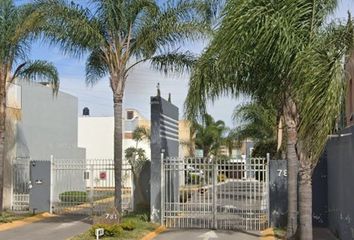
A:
(96, 135)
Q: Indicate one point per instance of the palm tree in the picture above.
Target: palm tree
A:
(261, 123)
(18, 26)
(120, 34)
(140, 134)
(209, 135)
(258, 122)
(257, 50)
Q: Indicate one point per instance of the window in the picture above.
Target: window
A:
(130, 115)
(86, 175)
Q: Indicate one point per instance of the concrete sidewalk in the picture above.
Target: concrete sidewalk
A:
(53, 228)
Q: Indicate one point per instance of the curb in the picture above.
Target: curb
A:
(25, 221)
(268, 234)
(153, 234)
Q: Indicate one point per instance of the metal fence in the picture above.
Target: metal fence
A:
(201, 193)
(20, 184)
(81, 187)
(78, 186)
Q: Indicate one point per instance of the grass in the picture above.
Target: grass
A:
(280, 233)
(142, 228)
(7, 217)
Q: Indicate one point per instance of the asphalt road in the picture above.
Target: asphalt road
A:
(191, 234)
(54, 228)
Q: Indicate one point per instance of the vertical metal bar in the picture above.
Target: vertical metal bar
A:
(162, 188)
(267, 189)
(51, 193)
(214, 194)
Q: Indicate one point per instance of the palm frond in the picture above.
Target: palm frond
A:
(39, 71)
(96, 67)
(321, 87)
(173, 62)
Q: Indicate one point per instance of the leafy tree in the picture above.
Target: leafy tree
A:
(283, 51)
(120, 34)
(18, 26)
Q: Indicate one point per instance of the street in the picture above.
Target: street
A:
(54, 228)
(191, 234)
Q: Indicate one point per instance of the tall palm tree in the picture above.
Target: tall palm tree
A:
(120, 34)
(257, 50)
(18, 26)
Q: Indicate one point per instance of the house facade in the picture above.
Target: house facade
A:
(38, 125)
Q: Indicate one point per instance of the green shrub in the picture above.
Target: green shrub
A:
(128, 225)
(194, 179)
(222, 178)
(73, 196)
(113, 230)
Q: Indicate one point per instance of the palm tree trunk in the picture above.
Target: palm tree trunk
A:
(2, 143)
(118, 145)
(290, 115)
(305, 197)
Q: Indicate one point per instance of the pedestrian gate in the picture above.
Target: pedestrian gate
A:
(217, 194)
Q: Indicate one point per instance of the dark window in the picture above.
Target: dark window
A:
(130, 115)
(86, 175)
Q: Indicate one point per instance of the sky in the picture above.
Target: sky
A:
(141, 83)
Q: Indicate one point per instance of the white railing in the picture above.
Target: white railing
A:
(204, 193)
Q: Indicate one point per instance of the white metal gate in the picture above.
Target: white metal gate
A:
(20, 184)
(87, 187)
(202, 193)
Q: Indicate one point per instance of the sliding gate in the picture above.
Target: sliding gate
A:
(216, 194)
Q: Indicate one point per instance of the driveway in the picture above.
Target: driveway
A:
(53, 228)
(191, 234)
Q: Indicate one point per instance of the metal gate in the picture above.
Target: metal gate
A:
(216, 194)
(20, 184)
(87, 187)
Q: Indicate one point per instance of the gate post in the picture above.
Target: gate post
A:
(51, 191)
(215, 179)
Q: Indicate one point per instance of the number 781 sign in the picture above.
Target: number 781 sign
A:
(282, 173)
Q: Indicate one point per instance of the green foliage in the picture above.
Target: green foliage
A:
(222, 178)
(128, 225)
(258, 122)
(19, 25)
(141, 133)
(262, 148)
(73, 197)
(136, 158)
(209, 135)
(285, 50)
(194, 179)
(110, 230)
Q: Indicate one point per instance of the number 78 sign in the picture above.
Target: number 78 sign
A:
(282, 173)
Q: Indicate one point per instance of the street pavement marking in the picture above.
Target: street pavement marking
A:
(268, 234)
(153, 234)
(208, 235)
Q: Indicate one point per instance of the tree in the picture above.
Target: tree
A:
(259, 122)
(258, 50)
(18, 26)
(140, 134)
(120, 34)
(209, 135)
